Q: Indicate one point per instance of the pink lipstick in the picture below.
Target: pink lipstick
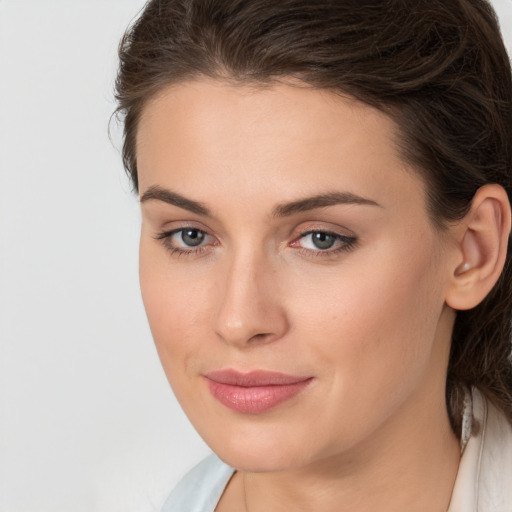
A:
(256, 391)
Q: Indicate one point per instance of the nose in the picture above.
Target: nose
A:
(250, 310)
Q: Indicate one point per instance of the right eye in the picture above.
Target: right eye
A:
(185, 240)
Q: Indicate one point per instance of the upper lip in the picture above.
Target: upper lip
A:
(255, 378)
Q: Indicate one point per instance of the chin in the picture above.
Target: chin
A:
(261, 452)
(261, 462)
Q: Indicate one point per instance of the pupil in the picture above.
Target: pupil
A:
(192, 237)
(323, 240)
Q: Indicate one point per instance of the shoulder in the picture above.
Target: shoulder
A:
(485, 472)
(201, 488)
(495, 469)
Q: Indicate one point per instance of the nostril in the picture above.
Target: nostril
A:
(260, 337)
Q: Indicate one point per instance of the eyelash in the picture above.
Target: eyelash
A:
(165, 237)
(347, 243)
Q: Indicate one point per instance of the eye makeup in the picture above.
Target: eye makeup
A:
(192, 241)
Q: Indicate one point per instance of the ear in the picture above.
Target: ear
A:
(482, 239)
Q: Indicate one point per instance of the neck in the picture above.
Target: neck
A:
(377, 476)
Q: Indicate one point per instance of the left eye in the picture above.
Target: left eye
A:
(319, 240)
(323, 241)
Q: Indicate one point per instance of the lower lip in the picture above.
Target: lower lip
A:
(255, 399)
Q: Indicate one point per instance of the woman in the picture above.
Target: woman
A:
(325, 190)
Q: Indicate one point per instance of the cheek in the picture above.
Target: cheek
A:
(373, 324)
(177, 306)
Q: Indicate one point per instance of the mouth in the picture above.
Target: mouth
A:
(254, 392)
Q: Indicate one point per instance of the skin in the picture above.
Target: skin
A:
(369, 322)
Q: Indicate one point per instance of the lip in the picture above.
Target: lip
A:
(256, 391)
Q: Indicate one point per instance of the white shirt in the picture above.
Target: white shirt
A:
(483, 484)
(484, 479)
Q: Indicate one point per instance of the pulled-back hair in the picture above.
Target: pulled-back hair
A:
(438, 68)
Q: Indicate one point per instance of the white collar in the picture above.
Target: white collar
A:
(484, 479)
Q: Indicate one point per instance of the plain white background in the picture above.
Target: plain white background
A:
(87, 421)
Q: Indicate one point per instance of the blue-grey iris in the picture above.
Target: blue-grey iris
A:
(192, 237)
(323, 240)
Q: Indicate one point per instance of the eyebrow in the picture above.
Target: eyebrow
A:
(283, 210)
(167, 196)
(321, 201)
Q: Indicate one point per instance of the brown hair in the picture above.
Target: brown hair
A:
(437, 67)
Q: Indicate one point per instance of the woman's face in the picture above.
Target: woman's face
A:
(293, 281)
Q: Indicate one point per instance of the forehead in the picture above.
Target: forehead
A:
(294, 138)
(208, 107)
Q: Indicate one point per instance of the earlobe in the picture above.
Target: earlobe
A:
(482, 248)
